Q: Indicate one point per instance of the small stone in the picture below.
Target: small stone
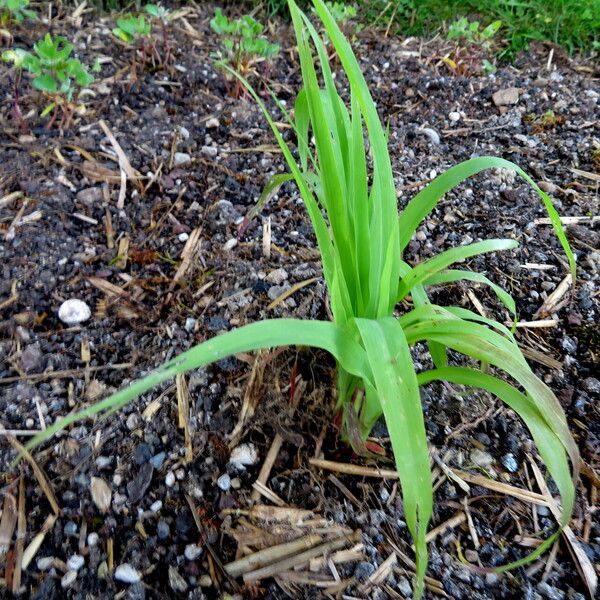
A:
(127, 574)
(181, 158)
(243, 455)
(101, 494)
(45, 563)
(142, 454)
(547, 186)
(176, 581)
(31, 358)
(230, 244)
(277, 276)
(102, 462)
(70, 528)
(549, 591)
(163, 530)
(75, 562)
(170, 479)
(93, 539)
(482, 459)
(74, 311)
(471, 555)
(404, 587)
(363, 570)
(90, 196)
(185, 134)
(190, 324)
(157, 460)
(454, 116)
(506, 97)
(136, 591)
(183, 237)
(591, 385)
(212, 123)
(68, 578)
(192, 551)
(132, 421)
(224, 482)
(510, 463)
(210, 151)
(156, 506)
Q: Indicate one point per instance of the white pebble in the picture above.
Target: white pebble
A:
(170, 479)
(192, 551)
(454, 116)
(432, 174)
(183, 237)
(45, 563)
(75, 562)
(93, 539)
(68, 578)
(74, 311)
(210, 151)
(156, 506)
(127, 574)
(212, 123)
(230, 244)
(243, 455)
(224, 482)
(181, 158)
(432, 134)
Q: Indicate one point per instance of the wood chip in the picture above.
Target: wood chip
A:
(7, 523)
(101, 494)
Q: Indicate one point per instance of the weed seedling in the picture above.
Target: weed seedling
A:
(379, 301)
(56, 74)
(163, 16)
(242, 45)
(15, 11)
(472, 42)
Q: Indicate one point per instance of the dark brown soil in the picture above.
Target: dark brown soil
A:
(60, 249)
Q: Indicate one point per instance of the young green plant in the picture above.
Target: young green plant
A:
(56, 74)
(344, 175)
(242, 45)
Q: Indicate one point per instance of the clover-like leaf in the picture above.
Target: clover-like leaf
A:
(45, 83)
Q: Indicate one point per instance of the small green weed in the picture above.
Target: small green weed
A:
(15, 11)
(56, 74)
(136, 31)
(472, 32)
(242, 44)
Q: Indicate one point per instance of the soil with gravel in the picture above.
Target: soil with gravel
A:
(172, 519)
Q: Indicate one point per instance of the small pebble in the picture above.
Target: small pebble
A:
(93, 539)
(45, 563)
(75, 562)
(68, 578)
(185, 134)
(183, 237)
(230, 244)
(156, 506)
(163, 530)
(157, 460)
(181, 158)
(70, 528)
(190, 323)
(74, 311)
(212, 123)
(277, 276)
(170, 479)
(454, 116)
(224, 482)
(127, 574)
(243, 455)
(210, 151)
(192, 551)
(510, 463)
